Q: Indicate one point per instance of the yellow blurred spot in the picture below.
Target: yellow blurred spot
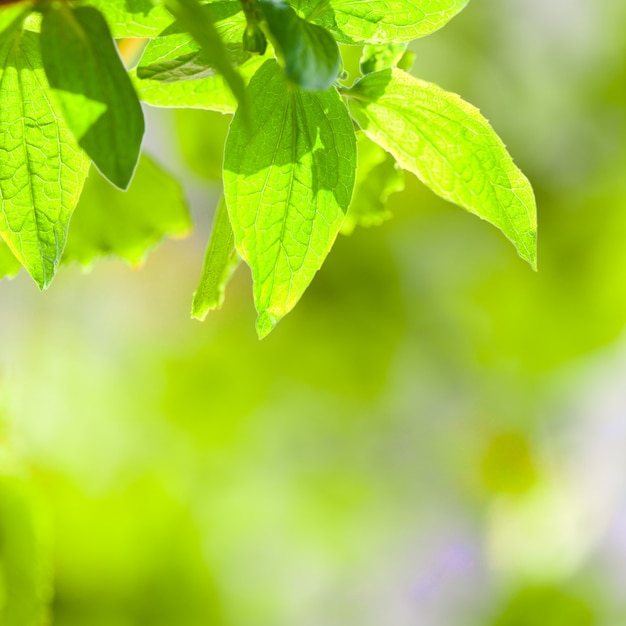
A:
(507, 465)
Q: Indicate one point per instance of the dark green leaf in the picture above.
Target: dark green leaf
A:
(254, 39)
(93, 89)
(310, 53)
(220, 261)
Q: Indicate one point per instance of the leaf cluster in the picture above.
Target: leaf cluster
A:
(307, 155)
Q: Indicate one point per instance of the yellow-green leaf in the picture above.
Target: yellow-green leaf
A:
(220, 261)
(451, 148)
(42, 169)
(288, 179)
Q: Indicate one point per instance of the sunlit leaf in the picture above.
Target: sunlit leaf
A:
(42, 169)
(133, 18)
(206, 93)
(192, 18)
(220, 261)
(175, 56)
(379, 21)
(452, 149)
(288, 179)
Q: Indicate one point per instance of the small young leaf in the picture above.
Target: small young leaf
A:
(192, 18)
(108, 221)
(377, 57)
(452, 149)
(288, 179)
(379, 21)
(206, 93)
(93, 88)
(377, 177)
(310, 53)
(220, 261)
(42, 169)
(254, 39)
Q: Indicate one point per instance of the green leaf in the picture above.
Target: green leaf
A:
(451, 148)
(377, 177)
(42, 169)
(220, 261)
(175, 56)
(12, 15)
(377, 57)
(127, 224)
(9, 265)
(226, 15)
(98, 100)
(191, 17)
(180, 64)
(310, 53)
(133, 18)
(207, 93)
(288, 179)
(110, 222)
(379, 21)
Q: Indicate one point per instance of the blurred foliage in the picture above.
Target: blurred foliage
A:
(434, 436)
(555, 606)
(25, 559)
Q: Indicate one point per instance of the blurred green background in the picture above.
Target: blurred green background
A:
(435, 436)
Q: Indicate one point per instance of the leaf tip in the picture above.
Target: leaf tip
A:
(199, 310)
(198, 317)
(265, 324)
(120, 175)
(528, 252)
(43, 281)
